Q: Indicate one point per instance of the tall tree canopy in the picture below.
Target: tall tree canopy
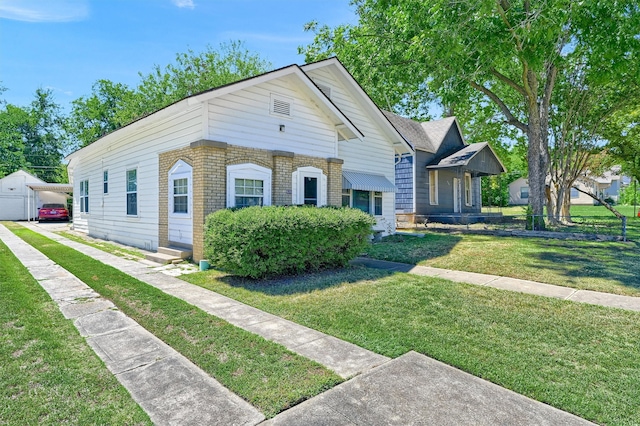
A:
(112, 105)
(506, 55)
(32, 138)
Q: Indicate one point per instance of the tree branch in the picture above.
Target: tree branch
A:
(511, 119)
(509, 82)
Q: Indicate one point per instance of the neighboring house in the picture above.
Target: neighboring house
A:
(297, 135)
(22, 195)
(607, 185)
(441, 181)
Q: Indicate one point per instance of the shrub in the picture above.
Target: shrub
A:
(259, 242)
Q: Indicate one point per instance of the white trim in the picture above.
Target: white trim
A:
(127, 192)
(468, 190)
(248, 171)
(297, 185)
(180, 170)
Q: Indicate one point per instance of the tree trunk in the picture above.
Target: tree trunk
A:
(536, 155)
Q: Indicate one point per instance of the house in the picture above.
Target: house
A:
(441, 180)
(606, 185)
(297, 135)
(22, 195)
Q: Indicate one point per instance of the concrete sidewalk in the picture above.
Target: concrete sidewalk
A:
(506, 283)
(412, 389)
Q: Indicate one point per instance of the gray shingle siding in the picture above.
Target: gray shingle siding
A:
(404, 183)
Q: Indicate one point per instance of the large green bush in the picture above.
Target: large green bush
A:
(260, 242)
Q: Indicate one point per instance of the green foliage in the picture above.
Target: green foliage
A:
(630, 195)
(33, 138)
(495, 189)
(259, 242)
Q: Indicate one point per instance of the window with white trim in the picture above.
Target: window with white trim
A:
(367, 201)
(132, 192)
(309, 186)
(105, 182)
(468, 197)
(84, 196)
(181, 196)
(433, 187)
(248, 185)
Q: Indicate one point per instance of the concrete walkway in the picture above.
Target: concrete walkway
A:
(411, 389)
(506, 283)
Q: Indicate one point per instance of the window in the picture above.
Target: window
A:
(311, 190)
(575, 193)
(346, 198)
(281, 105)
(181, 195)
(433, 187)
(132, 192)
(84, 196)
(524, 192)
(248, 185)
(377, 203)
(249, 192)
(361, 200)
(468, 199)
(105, 182)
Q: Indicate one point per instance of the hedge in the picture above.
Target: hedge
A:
(261, 242)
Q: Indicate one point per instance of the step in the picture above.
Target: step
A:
(161, 257)
(178, 252)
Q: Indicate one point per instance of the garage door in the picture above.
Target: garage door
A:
(13, 208)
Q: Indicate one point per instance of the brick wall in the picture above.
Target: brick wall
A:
(210, 159)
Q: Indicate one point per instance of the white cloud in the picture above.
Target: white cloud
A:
(184, 3)
(44, 11)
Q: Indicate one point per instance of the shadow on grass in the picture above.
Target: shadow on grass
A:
(614, 262)
(413, 249)
(300, 284)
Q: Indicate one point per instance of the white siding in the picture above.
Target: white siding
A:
(242, 118)
(139, 149)
(374, 153)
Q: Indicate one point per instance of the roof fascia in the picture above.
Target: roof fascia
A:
(399, 143)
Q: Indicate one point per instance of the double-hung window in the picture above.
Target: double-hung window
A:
(84, 196)
(132, 192)
(468, 193)
(249, 192)
(433, 187)
(181, 195)
(367, 201)
(105, 182)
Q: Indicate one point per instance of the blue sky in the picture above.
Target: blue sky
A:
(67, 45)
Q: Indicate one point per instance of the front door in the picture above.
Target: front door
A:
(456, 195)
(180, 204)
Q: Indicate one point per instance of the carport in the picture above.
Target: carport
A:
(49, 187)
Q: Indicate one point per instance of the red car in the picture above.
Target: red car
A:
(53, 212)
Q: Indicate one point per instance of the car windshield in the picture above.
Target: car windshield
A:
(53, 206)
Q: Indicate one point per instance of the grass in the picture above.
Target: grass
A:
(610, 267)
(48, 374)
(126, 252)
(580, 358)
(575, 210)
(264, 373)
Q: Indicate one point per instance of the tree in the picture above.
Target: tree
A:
(506, 53)
(100, 113)
(33, 138)
(113, 105)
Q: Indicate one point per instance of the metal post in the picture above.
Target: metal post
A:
(624, 228)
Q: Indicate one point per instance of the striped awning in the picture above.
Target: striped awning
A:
(366, 182)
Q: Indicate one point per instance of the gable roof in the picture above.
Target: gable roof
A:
(400, 143)
(464, 156)
(425, 136)
(293, 72)
(30, 178)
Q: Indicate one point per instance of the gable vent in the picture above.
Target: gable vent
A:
(325, 89)
(281, 106)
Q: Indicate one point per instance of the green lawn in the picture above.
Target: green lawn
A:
(48, 373)
(116, 249)
(264, 373)
(611, 267)
(580, 358)
(575, 210)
